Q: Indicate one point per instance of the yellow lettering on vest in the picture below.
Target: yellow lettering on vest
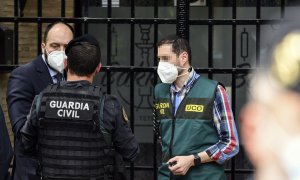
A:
(162, 105)
(162, 111)
(156, 105)
(194, 108)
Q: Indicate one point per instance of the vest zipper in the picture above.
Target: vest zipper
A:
(172, 138)
(173, 128)
(173, 122)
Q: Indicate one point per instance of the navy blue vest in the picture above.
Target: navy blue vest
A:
(70, 142)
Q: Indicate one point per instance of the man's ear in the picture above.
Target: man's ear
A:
(66, 63)
(98, 68)
(43, 46)
(184, 57)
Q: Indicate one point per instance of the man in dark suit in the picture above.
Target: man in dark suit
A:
(29, 80)
(6, 152)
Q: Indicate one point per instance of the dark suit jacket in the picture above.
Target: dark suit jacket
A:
(24, 83)
(6, 152)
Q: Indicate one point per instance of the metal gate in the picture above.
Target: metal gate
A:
(128, 31)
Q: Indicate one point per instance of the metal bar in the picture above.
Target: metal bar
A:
(39, 26)
(77, 14)
(155, 166)
(81, 19)
(233, 35)
(132, 60)
(16, 33)
(210, 38)
(257, 45)
(234, 21)
(143, 20)
(108, 50)
(258, 9)
(85, 27)
(182, 23)
(233, 80)
(132, 41)
(282, 9)
(86, 8)
(63, 8)
(86, 14)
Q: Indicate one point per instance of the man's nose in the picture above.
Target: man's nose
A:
(62, 48)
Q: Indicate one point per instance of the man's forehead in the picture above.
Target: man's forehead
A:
(59, 27)
(59, 33)
(57, 41)
(165, 49)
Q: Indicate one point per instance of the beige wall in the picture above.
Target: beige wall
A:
(27, 37)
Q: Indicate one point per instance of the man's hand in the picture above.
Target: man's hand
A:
(183, 164)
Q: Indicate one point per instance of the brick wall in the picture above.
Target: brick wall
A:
(27, 37)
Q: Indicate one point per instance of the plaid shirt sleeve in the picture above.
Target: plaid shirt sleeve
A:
(228, 144)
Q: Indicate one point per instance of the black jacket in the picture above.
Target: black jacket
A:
(6, 152)
(24, 84)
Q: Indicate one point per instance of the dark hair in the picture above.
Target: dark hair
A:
(83, 58)
(179, 45)
(51, 25)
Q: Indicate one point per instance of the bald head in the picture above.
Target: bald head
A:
(57, 36)
(52, 25)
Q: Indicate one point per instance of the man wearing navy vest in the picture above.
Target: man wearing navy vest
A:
(74, 126)
(193, 117)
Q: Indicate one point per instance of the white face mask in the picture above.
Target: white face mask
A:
(56, 60)
(167, 72)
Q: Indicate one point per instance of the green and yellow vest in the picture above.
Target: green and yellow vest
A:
(190, 131)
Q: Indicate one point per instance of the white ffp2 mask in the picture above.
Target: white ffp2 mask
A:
(56, 59)
(167, 72)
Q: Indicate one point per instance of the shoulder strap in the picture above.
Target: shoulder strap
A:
(38, 104)
(48, 89)
(106, 135)
(51, 88)
(161, 90)
(101, 107)
(203, 88)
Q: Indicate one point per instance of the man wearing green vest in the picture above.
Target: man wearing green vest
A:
(193, 117)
